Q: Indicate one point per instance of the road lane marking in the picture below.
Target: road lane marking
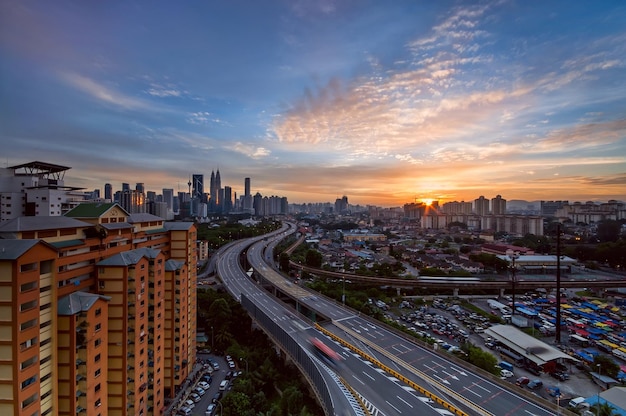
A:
(394, 407)
(404, 401)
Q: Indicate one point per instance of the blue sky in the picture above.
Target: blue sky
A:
(385, 102)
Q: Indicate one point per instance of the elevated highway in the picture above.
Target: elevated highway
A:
(383, 368)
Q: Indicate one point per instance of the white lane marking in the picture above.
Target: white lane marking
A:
(404, 401)
(359, 380)
(452, 376)
(364, 373)
(395, 408)
(458, 370)
(481, 387)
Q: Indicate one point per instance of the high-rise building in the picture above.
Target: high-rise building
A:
(197, 181)
(140, 187)
(36, 188)
(481, 206)
(108, 192)
(168, 198)
(227, 205)
(104, 312)
(498, 205)
(246, 184)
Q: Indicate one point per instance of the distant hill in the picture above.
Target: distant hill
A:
(520, 204)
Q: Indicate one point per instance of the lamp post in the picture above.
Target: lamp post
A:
(212, 338)
(513, 257)
(598, 395)
(221, 408)
(246, 363)
(343, 290)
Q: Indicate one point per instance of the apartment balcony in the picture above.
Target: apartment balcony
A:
(80, 409)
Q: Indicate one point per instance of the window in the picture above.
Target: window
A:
(28, 324)
(27, 344)
(97, 342)
(28, 267)
(98, 327)
(46, 359)
(98, 403)
(98, 311)
(28, 305)
(97, 373)
(97, 388)
(97, 358)
(45, 306)
(28, 381)
(25, 287)
(30, 400)
(101, 284)
(27, 363)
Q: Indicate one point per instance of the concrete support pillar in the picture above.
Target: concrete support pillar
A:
(501, 293)
(455, 292)
(398, 292)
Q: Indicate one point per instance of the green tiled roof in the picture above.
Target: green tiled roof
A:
(91, 209)
(68, 243)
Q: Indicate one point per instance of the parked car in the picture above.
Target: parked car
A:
(195, 397)
(522, 381)
(560, 375)
(216, 397)
(199, 391)
(535, 384)
(506, 373)
(204, 385)
(210, 409)
(189, 404)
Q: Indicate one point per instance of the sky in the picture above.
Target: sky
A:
(384, 102)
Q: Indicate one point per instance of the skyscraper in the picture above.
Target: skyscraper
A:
(108, 192)
(481, 206)
(197, 182)
(498, 205)
(168, 198)
(246, 182)
(227, 204)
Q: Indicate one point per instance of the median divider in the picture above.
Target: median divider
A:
(401, 377)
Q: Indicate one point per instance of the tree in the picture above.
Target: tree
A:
(292, 400)
(608, 230)
(313, 258)
(603, 409)
(608, 367)
(283, 261)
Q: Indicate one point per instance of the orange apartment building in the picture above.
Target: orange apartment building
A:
(112, 296)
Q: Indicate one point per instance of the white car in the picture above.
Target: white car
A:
(189, 404)
(506, 373)
(204, 385)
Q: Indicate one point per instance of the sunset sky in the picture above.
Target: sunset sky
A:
(383, 101)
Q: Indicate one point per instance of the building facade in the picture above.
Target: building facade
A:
(97, 312)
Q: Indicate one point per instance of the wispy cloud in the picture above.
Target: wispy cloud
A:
(104, 93)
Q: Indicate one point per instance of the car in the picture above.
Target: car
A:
(207, 378)
(184, 411)
(535, 384)
(506, 373)
(216, 397)
(199, 391)
(204, 385)
(231, 365)
(189, 404)
(215, 365)
(522, 381)
(195, 397)
(560, 375)
(210, 409)
(228, 375)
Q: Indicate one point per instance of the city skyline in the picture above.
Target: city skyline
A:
(385, 103)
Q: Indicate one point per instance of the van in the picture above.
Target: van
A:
(223, 385)
(506, 366)
(578, 403)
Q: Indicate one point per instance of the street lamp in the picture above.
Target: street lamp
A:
(343, 290)
(221, 408)
(212, 338)
(246, 363)
(598, 395)
(513, 257)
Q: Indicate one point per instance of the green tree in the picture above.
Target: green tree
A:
(603, 409)
(608, 367)
(237, 404)
(313, 258)
(283, 261)
(292, 400)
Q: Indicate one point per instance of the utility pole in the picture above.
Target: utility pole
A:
(513, 257)
(558, 284)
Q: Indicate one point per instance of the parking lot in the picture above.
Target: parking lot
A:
(207, 401)
(449, 324)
